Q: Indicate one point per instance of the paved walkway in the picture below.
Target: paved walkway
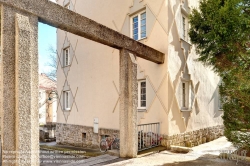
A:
(202, 155)
(93, 160)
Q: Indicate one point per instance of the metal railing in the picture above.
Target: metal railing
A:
(148, 136)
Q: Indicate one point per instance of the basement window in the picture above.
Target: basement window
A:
(84, 136)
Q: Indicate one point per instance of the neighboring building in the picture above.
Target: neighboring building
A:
(181, 94)
(47, 100)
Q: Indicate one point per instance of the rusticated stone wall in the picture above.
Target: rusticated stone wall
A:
(81, 136)
(69, 134)
(193, 138)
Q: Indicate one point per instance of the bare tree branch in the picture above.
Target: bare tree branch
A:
(52, 64)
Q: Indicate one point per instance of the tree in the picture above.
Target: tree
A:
(49, 81)
(52, 64)
(220, 30)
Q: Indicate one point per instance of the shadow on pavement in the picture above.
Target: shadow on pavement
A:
(209, 160)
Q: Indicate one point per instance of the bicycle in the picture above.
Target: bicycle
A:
(105, 144)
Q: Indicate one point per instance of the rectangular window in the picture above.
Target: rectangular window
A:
(142, 94)
(84, 136)
(143, 25)
(183, 27)
(219, 104)
(219, 100)
(139, 26)
(66, 56)
(66, 97)
(135, 28)
(185, 95)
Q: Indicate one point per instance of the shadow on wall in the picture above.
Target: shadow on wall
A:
(215, 100)
(177, 116)
(176, 113)
(175, 41)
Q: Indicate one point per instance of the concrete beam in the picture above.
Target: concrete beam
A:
(128, 106)
(19, 93)
(62, 18)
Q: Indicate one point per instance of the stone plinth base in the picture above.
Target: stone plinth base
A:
(81, 136)
(193, 138)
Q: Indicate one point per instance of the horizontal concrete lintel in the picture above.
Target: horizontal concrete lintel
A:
(57, 16)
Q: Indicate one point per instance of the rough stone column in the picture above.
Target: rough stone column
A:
(19, 87)
(128, 106)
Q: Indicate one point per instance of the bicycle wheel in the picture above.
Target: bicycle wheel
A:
(103, 145)
(116, 144)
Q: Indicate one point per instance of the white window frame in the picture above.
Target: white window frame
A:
(66, 100)
(139, 95)
(184, 25)
(185, 95)
(139, 25)
(66, 63)
(186, 103)
(220, 108)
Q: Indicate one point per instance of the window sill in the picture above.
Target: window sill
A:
(66, 66)
(185, 41)
(66, 110)
(142, 39)
(141, 109)
(220, 109)
(186, 110)
(184, 11)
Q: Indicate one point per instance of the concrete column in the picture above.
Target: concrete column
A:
(19, 87)
(128, 106)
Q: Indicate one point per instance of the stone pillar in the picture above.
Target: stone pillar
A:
(128, 106)
(19, 87)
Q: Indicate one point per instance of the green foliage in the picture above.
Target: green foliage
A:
(220, 30)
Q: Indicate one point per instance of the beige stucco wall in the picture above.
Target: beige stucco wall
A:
(93, 76)
(46, 107)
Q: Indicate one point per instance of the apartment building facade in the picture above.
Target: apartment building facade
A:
(180, 95)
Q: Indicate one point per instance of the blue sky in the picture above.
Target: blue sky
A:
(46, 38)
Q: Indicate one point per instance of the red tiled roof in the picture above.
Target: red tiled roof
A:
(46, 83)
